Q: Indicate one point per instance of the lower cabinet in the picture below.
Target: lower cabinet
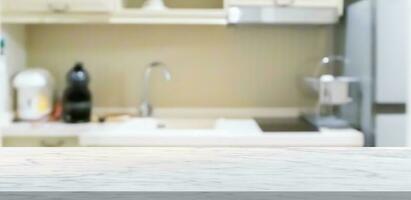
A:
(40, 142)
(391, 130)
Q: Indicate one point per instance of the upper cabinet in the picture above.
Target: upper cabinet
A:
(338, 4)
(58, 6)
(209, 12)
(195, 12)
(284, 11)
(24, 5)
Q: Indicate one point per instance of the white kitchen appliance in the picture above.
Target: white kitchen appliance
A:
(378, 51)
(34, 94)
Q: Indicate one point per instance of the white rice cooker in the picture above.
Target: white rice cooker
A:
(34, 94)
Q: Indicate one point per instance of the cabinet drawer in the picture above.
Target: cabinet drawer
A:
(61, 6)
(40, 142)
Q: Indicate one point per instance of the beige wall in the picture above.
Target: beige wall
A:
(212, 66)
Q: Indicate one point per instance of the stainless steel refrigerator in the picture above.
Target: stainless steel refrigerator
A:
(377, 51)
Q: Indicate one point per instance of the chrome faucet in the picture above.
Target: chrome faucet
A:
(146, 109)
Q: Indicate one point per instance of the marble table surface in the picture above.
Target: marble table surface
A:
(204, 169)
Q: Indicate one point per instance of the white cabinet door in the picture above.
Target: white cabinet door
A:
(391, 130)
(339, 4)
(25, 5)
(92, 5)
(59, 5)
(321, 3)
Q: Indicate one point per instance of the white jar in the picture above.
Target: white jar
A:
(34, 94)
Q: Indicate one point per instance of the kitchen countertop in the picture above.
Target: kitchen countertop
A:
(232, 128)
(58, 129)
(204, 169)
(100, 135)
(281, 128)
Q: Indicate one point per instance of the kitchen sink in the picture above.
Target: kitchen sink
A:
(186, 124)
(141, 126)
(171, 132)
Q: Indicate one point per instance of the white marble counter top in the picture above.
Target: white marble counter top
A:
(204, 169)
(234, 134)
(124, 135)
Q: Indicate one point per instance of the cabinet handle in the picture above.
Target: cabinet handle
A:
(58, 8)
(59, 143)
(284, 3)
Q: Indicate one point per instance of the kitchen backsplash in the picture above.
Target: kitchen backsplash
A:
(212, 66)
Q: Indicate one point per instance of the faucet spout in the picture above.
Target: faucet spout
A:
(146, 109)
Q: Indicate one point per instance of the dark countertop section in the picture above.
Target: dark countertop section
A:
(285, 125)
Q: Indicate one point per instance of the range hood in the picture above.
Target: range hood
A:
(282, 15)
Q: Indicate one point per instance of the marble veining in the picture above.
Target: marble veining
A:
(204, 169)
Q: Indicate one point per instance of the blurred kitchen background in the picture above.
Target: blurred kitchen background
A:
(336, 65)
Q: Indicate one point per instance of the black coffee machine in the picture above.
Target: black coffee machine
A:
(77, 99)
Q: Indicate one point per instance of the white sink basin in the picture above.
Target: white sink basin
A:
(143, 126)
(186, 124)
(203, 132)
(169, 132)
